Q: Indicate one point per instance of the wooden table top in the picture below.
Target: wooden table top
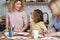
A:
(21, 39)
(18, 39)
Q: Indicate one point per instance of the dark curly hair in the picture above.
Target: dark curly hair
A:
(38, 15)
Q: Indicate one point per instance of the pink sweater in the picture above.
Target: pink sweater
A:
(16, 19)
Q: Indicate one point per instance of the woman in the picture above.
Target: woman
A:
(54, 25)
(16, 17)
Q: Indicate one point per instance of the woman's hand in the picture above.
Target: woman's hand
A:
(29, 31)
(22, 30)
(51, 34)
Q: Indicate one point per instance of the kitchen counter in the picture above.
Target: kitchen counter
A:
(2, 23)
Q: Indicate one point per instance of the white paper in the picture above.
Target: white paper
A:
(49, 38)
(24, 33)
(40, 35)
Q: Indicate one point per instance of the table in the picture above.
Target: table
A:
(20, 39)
(15, 39)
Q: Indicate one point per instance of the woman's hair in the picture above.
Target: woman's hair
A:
(38, 15)
(12, 3)
(52, 1)
(55, 5)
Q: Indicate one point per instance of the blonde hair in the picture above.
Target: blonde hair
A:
(54, 5)
(11, 5)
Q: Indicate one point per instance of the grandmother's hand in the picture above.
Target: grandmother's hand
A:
(51, 34)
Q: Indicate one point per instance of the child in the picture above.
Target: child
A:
(37, 23)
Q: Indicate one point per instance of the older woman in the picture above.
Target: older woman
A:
(54, 25)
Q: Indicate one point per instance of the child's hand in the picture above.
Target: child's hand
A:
(45, 32)
(6, 30)
(41, 32)
(29, 31)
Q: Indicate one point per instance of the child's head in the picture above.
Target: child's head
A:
(37, 15)
(16, 5)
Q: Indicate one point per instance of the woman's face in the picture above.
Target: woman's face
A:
(17, 5)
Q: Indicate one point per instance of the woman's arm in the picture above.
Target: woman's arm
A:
(24, 27)
(7, 22)
(53, 34)
(25, 20)
(58, 34)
